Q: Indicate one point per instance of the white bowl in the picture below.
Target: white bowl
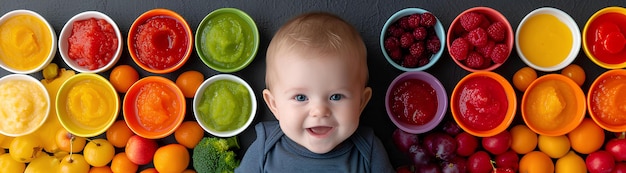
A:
(35, 122)
(567, 20)
(66, 32)
(199, 96)
(53, 47)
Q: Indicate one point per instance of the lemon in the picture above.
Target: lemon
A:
(554, 146)
(570, 163)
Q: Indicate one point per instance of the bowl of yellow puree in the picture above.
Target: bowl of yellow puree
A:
(27, 42)
(25, 105)
(547, 39)
(87, 104)
(553, 105)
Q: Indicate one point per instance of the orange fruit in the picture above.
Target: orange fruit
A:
(570, 163)
(118, 134)
(523, 140)
(574, 72)
(523, 77)
(172, 158)
(122, 77)
(101, 169)
(189, 133)
(149, 170)
(554, 146)
(587, 137)
(121, 164)
(536, 162)
(189, 81)
(189, 171)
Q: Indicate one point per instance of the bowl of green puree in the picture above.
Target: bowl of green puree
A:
(224, 105)
(227, 40)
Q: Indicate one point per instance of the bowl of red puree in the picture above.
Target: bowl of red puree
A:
(90, 42)
(160, 41)
(483, 103)
(553, 105)
(227, 40)
(603, 37)
(416, 102)
(605, 100)
(224, 105)
(154, 107)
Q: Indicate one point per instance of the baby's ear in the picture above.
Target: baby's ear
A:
(271, 103)
(365, 98)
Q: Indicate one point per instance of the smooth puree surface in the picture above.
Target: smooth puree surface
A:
(25, 42)
(545, 40)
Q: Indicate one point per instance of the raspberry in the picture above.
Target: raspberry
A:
(496, 31)
(414, 20)
(459, 48)
(499, 53)
(420, 33)
(471, 20)
(410, 61)
(391, 43)
(478, 37)
(486, 50)
(433, 44)
(396, 54)
(423, 61)
(474, 60)
(395, 31)
(406, 40)
(404, 22)
(428, 20)
(417, 49)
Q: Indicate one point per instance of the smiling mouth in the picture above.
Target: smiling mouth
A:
(320, 131)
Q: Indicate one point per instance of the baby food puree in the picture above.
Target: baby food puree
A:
(157, 105)
(607, 100)
(606, 38)
(227, 39)
(89, 103)
(482, 103)
(550, 104)
(545, 40)
(225, 105)
(23, 107)
(25, 42)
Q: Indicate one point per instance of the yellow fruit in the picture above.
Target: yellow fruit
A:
(51, 71)
(74, 163)
(523, 140)
(570, 163)
(8, 165)
(554, 146)
(6, 143)
(536, 162)
(25, 148)
(43, 163)
(98, 152)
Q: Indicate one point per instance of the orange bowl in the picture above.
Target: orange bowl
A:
(605, 94)
(162, 46)
(456, 30)
(482, 117)
(143, 111)
(543, 109)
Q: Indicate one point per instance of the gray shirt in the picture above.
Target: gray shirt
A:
(272, 151)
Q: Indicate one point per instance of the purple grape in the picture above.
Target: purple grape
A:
(440, 145)
(454, 165)
(451, 128)
(428, 168)
(419, 155)
(404, 140)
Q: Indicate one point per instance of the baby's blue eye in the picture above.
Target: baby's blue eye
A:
(335, 97)
(300, 97)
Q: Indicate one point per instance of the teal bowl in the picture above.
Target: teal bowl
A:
(439, 30)
(227, 40)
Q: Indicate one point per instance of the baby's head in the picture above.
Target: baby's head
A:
(316, 80)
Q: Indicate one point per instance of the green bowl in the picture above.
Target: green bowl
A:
(227, 40)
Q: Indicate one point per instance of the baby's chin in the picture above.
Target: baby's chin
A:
(320, 149)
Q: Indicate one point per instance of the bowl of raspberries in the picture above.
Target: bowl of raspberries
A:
(412, 39)
(480, 39)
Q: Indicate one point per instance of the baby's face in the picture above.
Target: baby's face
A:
(318, 100)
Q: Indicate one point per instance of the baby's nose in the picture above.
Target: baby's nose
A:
(320, 110)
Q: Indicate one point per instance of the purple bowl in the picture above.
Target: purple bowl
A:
(442, 99)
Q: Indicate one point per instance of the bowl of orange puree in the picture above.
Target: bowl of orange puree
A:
(606, 102)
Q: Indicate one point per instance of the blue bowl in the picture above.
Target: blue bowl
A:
(439, 30)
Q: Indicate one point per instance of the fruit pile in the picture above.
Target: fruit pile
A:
(411, 40)
(479, 42)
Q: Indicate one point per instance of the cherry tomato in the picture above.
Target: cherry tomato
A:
(189, 81)
(575, 73)
(122, 77)
(523, 77)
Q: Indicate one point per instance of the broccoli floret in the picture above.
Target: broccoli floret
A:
(214, 155)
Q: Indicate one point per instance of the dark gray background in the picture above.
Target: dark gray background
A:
(367, 16)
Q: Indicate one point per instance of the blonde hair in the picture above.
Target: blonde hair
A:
(319, 32)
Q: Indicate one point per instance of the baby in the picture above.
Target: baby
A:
(316, 88)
